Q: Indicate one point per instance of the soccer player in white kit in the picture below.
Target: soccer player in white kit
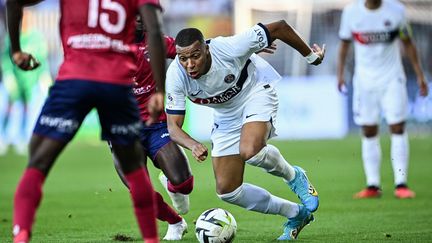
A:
(379, 84)
(225, 75)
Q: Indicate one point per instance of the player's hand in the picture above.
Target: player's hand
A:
(341, 85)
(25, 61)
(270, 49)
(423, 86)
(199, 152)
(320, 51)
(155, 107)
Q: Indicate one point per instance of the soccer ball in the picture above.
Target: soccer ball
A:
(215, 225)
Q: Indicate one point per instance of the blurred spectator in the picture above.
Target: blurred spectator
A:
(19, 84)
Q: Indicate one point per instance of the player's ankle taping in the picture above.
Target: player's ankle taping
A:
(183, 188)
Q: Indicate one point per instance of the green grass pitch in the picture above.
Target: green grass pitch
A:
(84, 201)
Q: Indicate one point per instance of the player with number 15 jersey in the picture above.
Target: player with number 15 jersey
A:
(99, 62)
(98, 36)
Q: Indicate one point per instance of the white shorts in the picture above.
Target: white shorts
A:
(262, 106)
(390, 101)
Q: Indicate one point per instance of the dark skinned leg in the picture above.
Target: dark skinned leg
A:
(43, 153)
(174, 164)
(398, 128)
(130, 158)
(132, 164)
(370, 131)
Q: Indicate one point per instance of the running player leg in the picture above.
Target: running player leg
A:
(132, 162)
(47, 142)
(255, 151)
(230, 188)
(164, 212)
(176, 177)
(43, 153)
(120, 122)
(177, 226)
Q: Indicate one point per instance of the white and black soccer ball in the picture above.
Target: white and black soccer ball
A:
(215, 225)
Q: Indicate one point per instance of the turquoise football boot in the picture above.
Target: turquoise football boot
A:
(301, 186)
(294, 225)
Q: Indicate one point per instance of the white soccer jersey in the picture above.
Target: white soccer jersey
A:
(374, 32)
(229, 82)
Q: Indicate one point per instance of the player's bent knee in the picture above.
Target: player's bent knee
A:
(370, 131)
(178, 178)
(250, 152)
(397, 129)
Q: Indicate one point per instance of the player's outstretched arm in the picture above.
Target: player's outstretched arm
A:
(411, 51)
(179, 136)
(14, 13)
(283, 31)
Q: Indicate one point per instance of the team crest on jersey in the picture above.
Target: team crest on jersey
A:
(229, 78)
(169, 97)
(170, 101)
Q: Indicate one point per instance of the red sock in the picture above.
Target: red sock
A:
(165, 212)
(27, 198)
(184, 188)
(144, 202)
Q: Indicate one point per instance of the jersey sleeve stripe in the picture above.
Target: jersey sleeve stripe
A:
(269, 40)
(175, 112)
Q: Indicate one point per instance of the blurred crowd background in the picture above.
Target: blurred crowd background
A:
(310, 107)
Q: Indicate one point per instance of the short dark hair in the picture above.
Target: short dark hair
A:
(188, 36)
